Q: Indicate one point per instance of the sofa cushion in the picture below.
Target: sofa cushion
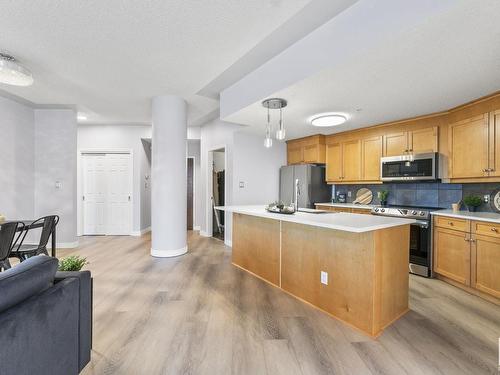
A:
(26, 279)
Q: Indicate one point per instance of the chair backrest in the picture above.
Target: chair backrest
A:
(49, 223)
(7, 234)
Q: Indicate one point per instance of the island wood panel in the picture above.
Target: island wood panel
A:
(368, 272)
(256, 246)
(391, 273)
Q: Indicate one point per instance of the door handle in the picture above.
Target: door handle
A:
(129, 198)
(83, 197)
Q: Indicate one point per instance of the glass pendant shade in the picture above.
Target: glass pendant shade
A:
(280, 134)
(268, 142)
(12, 73)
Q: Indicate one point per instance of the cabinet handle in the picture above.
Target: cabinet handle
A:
(450, 223)
(494, 229)
(410, 150)
(472, 240)
(466, 239)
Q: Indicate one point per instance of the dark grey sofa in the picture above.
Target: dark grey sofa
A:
(45, 319)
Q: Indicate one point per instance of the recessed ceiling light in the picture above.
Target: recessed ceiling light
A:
(81, 117)
(328, 120)
(13, 73)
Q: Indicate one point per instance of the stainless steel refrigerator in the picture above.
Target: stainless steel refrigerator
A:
(312, 185)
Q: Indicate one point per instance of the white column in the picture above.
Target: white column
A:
(168, 177)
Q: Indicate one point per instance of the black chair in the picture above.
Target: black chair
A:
(7, 242)
(24, 252)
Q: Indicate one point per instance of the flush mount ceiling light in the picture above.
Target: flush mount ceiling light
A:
(13, 73)
(331, 119)
(274, 103)
(81, 117)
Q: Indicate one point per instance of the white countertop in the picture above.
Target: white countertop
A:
(479, 216)
(348, 222)
(347, 205)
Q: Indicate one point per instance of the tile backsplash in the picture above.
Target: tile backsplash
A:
(423, 194)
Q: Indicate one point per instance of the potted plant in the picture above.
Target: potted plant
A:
(473, 202)
(382, 196)
(72, 263)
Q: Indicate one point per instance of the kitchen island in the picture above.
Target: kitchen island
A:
(352, 266)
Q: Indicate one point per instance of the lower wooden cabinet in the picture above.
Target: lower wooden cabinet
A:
(452, 255)
(486, 275)
(468, 255)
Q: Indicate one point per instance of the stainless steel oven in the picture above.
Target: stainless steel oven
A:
(411, 167)
(420, 262)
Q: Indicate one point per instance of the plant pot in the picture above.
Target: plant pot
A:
(472, 208)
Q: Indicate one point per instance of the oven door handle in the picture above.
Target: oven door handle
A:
(422, 223)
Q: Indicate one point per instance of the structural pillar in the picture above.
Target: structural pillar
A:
(169, 177)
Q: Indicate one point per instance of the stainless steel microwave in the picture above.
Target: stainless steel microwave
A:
(411, 167)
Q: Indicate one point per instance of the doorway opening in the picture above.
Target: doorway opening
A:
(218, 197)
(190, 193)
(106, 193)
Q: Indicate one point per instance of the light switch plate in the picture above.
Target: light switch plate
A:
(242, 184)
(324, 277)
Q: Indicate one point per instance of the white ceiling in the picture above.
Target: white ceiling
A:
(110, 57)
(449, 58)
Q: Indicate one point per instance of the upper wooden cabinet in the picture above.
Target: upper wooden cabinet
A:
(307, 150)
(469, 147)
(494, 143)
(371, 152)
(343, 161)
(334, 162)
(414, 141)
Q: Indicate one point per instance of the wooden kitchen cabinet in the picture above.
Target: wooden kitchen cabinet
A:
(309, 150)
(343, 161)
(414, 141)
(334, 162)
(494, 144)
(371, 152)
(469, 147)
(470, 256)
(452, 254)
(351, 161)
(486, 273)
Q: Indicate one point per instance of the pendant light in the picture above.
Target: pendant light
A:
(274, 103)
(268, 142)
(13, 73)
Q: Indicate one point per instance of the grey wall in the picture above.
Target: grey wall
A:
(55, 160)
(423, 194)
(17, 163)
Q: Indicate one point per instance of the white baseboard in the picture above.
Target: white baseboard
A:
(228, 243)
(138, 233)
(197, 228)
(59, 245)
(204, 234)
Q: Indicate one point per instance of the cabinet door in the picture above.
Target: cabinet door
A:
(370, 158)
(295, 154)
(334, 162)
(486, 273)
(423, 140)
(311, 154)
(469, 147)
(351, 167)
(452, 254)
(395, 144)
(494, 144)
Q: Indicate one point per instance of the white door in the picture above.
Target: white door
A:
(107, 194)
(94, 193)
(119, 199)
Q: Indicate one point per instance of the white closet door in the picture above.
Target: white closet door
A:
(119, 190)
(94, 193)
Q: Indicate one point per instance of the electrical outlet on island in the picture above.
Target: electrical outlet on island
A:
(324, 277)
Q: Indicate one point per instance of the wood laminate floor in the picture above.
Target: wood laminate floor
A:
(198, 314)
